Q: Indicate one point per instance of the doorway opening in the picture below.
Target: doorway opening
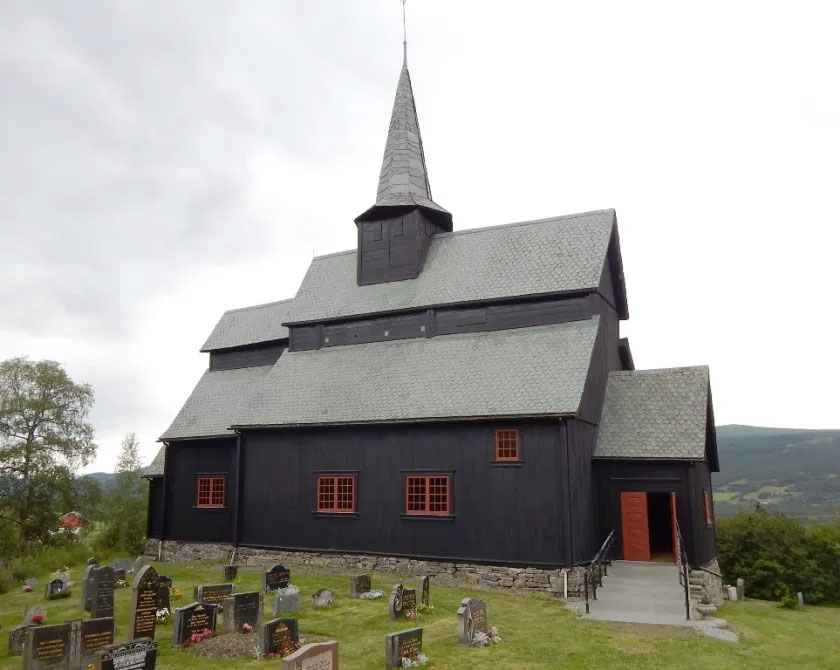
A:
(660, 528)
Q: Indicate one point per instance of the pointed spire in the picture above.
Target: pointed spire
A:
(403, 180)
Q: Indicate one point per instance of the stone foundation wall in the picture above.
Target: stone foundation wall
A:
(442, 572)
(710, 586)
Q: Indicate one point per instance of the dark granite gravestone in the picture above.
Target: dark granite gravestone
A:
(279, 636)
(214, 594)
(230, 573)
(137, 655)
(242, 608)
(286, 600)
(163, 597)
(423, 587)
(359, 584)
(29, 611)
(409, 600)
(85, 585)
(93, 561)
(143, 608)
(86, 638)
(56, 588)
(277, 577)
(405, 644)
(395, 603)
(17, 638)
(101, 593)
(165, 580)
(191, 619)
(315, 656)
(323, 597)
(472, 618)
(122, 564)
(139, 562)
(47, 647)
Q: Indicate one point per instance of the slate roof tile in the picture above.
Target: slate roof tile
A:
(250, 325)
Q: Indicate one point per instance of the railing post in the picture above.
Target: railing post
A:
(687, 598)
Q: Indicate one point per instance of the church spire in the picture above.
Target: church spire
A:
(403, 180)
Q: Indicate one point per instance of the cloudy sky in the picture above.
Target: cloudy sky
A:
(162, 161)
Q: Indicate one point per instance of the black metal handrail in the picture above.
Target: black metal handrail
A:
(682, 566)
(594, 573)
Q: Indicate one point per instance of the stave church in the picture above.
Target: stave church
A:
(456, 399)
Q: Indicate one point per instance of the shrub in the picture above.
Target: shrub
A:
(5, 579)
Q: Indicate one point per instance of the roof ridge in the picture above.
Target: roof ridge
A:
(481, 229)
(681, 368)
(264, 304)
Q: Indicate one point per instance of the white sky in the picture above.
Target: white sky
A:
(162, 162)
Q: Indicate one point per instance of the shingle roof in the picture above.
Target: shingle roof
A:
(528, 371)
(250, 325)
(217, 402)
(156, 467)
(403, 180)
(536, 257)
(655, 414)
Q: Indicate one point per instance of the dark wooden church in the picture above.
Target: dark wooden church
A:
(459, 396)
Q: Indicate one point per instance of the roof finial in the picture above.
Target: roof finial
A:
(405, 41)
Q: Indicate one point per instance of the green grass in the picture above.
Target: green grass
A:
(724, 496)
(538, 632)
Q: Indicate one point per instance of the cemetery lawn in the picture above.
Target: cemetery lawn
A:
(538, 632)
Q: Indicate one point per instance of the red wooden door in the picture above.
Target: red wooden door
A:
(634, 526)
(674, 526)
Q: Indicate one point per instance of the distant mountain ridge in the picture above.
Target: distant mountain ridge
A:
(105, 479)
(792, 470)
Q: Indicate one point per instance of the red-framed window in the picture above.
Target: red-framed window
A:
(707, 502)
(507, 444)
(335, 493)
(210, 491)
(428, 494)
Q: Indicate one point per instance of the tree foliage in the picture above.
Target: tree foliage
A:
(44, 439)
(776, 555)
(125, 504)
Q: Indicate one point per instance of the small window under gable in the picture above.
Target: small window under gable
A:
(210, 491)
(336, 494)
(428, 495)
(507, 444)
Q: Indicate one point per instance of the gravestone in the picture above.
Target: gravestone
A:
(93, 561)
(85, 586)
(800, 601)
(47, 647)
(359, 584)
(165, 580)
(17, 638)
(740, 587)
(122, 564)
(88, 636)
(163, 597)
(279, 636)
(29, 611)
(323, 597)
(732, 593)
(231, 572)
(277, 577)
(101, 593)
(409, 600)
(214, 594)
(405, 644)
(139, 563)
(120, 575)
(286, 600)
(242, 608)
(423, 587)
(137, 655)
(56, 588)
(143, 609)
(472, 618)
(395, 603)
(315, 656)
(191, 619)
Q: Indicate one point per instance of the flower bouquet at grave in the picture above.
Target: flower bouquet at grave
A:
(39, 618)
(375, 594)
(424, 609)
(247, 628)
(27, 588)
(163, 615)
(412, 614)
(174, 593)
(420, 660)
(485, 639)
(200, 636)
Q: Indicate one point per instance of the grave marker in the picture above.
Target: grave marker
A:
(123, 564)
(286, 600)
(93, 561)
(405, 644)
(242, 608)
(17, 638)
(56, 588)
(359, 584)
(86, 638)
(424, 590)
(323, 597)
(163, 598)
(472, 618)
(139, 563)
(409, 600)
(231, 572)
(101, 593)
(143, 604)
(137, 655)
(85, 586)
(740, 588)
(277, 577)
(29, 611)
(315, 656)
(800, 601)
(191, 619)
(395, 603)
(279, 636)
(47, 647)
(214, 594)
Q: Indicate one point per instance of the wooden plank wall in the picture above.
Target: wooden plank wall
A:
(246, 357)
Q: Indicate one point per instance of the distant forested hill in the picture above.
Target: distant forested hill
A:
(791, 470)
(105, 479)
